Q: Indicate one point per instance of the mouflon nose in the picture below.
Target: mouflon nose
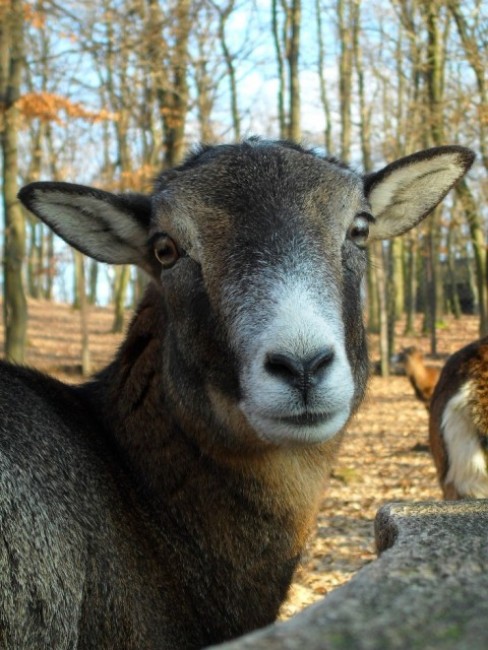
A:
(298, 372)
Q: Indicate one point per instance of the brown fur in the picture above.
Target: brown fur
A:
(469, 364)
(421, 376)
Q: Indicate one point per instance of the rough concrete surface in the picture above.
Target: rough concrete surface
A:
(427, 590)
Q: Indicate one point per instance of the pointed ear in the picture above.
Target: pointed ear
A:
(403, 193)
(108, 227)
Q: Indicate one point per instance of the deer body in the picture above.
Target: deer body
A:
(458, 426)
(165, 503)
(422, 377)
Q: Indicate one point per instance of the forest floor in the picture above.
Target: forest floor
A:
(384, 456)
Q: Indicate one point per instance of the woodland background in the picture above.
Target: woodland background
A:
(109, 92)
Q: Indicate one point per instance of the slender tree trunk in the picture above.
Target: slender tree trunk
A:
(346, 27)
(364, 112)
(410, 275)
(474, 56)
(174, 104)
(478, 64)
(11, 64)
(324, 99)
(391, 290)
(281, 69)
(454, 303)
(122, 277)
(51, 268)
(434, 76)
(204, 100)
(294, 129)
(430, 290)
(224, 14)
(479, 250)
(373, 302)
(383, 309)
(33, 262)
(93, 282)
(35, 253)
(398, 266)
(83, 307)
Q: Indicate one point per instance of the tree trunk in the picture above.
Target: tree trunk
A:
(398, 266)
(430, 289)
(11, 64)
(287, 48)
(454, 304)
(174, 100)
(324, 99)
(364, 113)
(346, 28)
(83, 306)
(93, 282)
(373, 302)
(474, 51)
(383, 308)
(410, 275)
(479, 250)
(51, 269)
(391, 296)
(224, 13)
(294, 130)
(434, 77)
(281, 69)
(122, 277)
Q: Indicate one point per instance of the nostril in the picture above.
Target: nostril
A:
(298, 372)
(320, 361)
(285, 366)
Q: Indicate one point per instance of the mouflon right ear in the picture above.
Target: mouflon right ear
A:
(111, 228)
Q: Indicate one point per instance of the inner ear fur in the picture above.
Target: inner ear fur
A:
(109, 227)
(407, 190)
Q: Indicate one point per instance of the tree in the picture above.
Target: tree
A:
(324, 98)
(347, 13)
(286, 39)
(168, 61)
(11, 66)
(79, 261)
(224, 12)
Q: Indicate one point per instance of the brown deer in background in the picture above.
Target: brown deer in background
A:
(421, 376)
(458, 426)
(165, 503)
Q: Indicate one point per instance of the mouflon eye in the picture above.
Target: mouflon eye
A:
(166, 251)
(359, 230)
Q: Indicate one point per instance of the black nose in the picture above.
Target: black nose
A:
(298, 372)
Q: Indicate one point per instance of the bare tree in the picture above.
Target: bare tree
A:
(286, 36)
(11, 66)
(347, 14)
(324, 99)
(224, 12)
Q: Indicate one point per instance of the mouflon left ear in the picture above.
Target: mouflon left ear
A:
(404, 192)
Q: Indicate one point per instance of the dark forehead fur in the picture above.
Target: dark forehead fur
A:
(249, 150)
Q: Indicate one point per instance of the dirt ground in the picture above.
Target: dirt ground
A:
(384, 456)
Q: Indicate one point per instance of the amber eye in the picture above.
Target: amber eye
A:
(166, 251)
(359, 229)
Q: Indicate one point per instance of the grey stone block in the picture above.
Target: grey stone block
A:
(428, 589)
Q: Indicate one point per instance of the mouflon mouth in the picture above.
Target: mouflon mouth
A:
(305, 419)
(308, 428)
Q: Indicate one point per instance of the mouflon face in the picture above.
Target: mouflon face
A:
(258, 251)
